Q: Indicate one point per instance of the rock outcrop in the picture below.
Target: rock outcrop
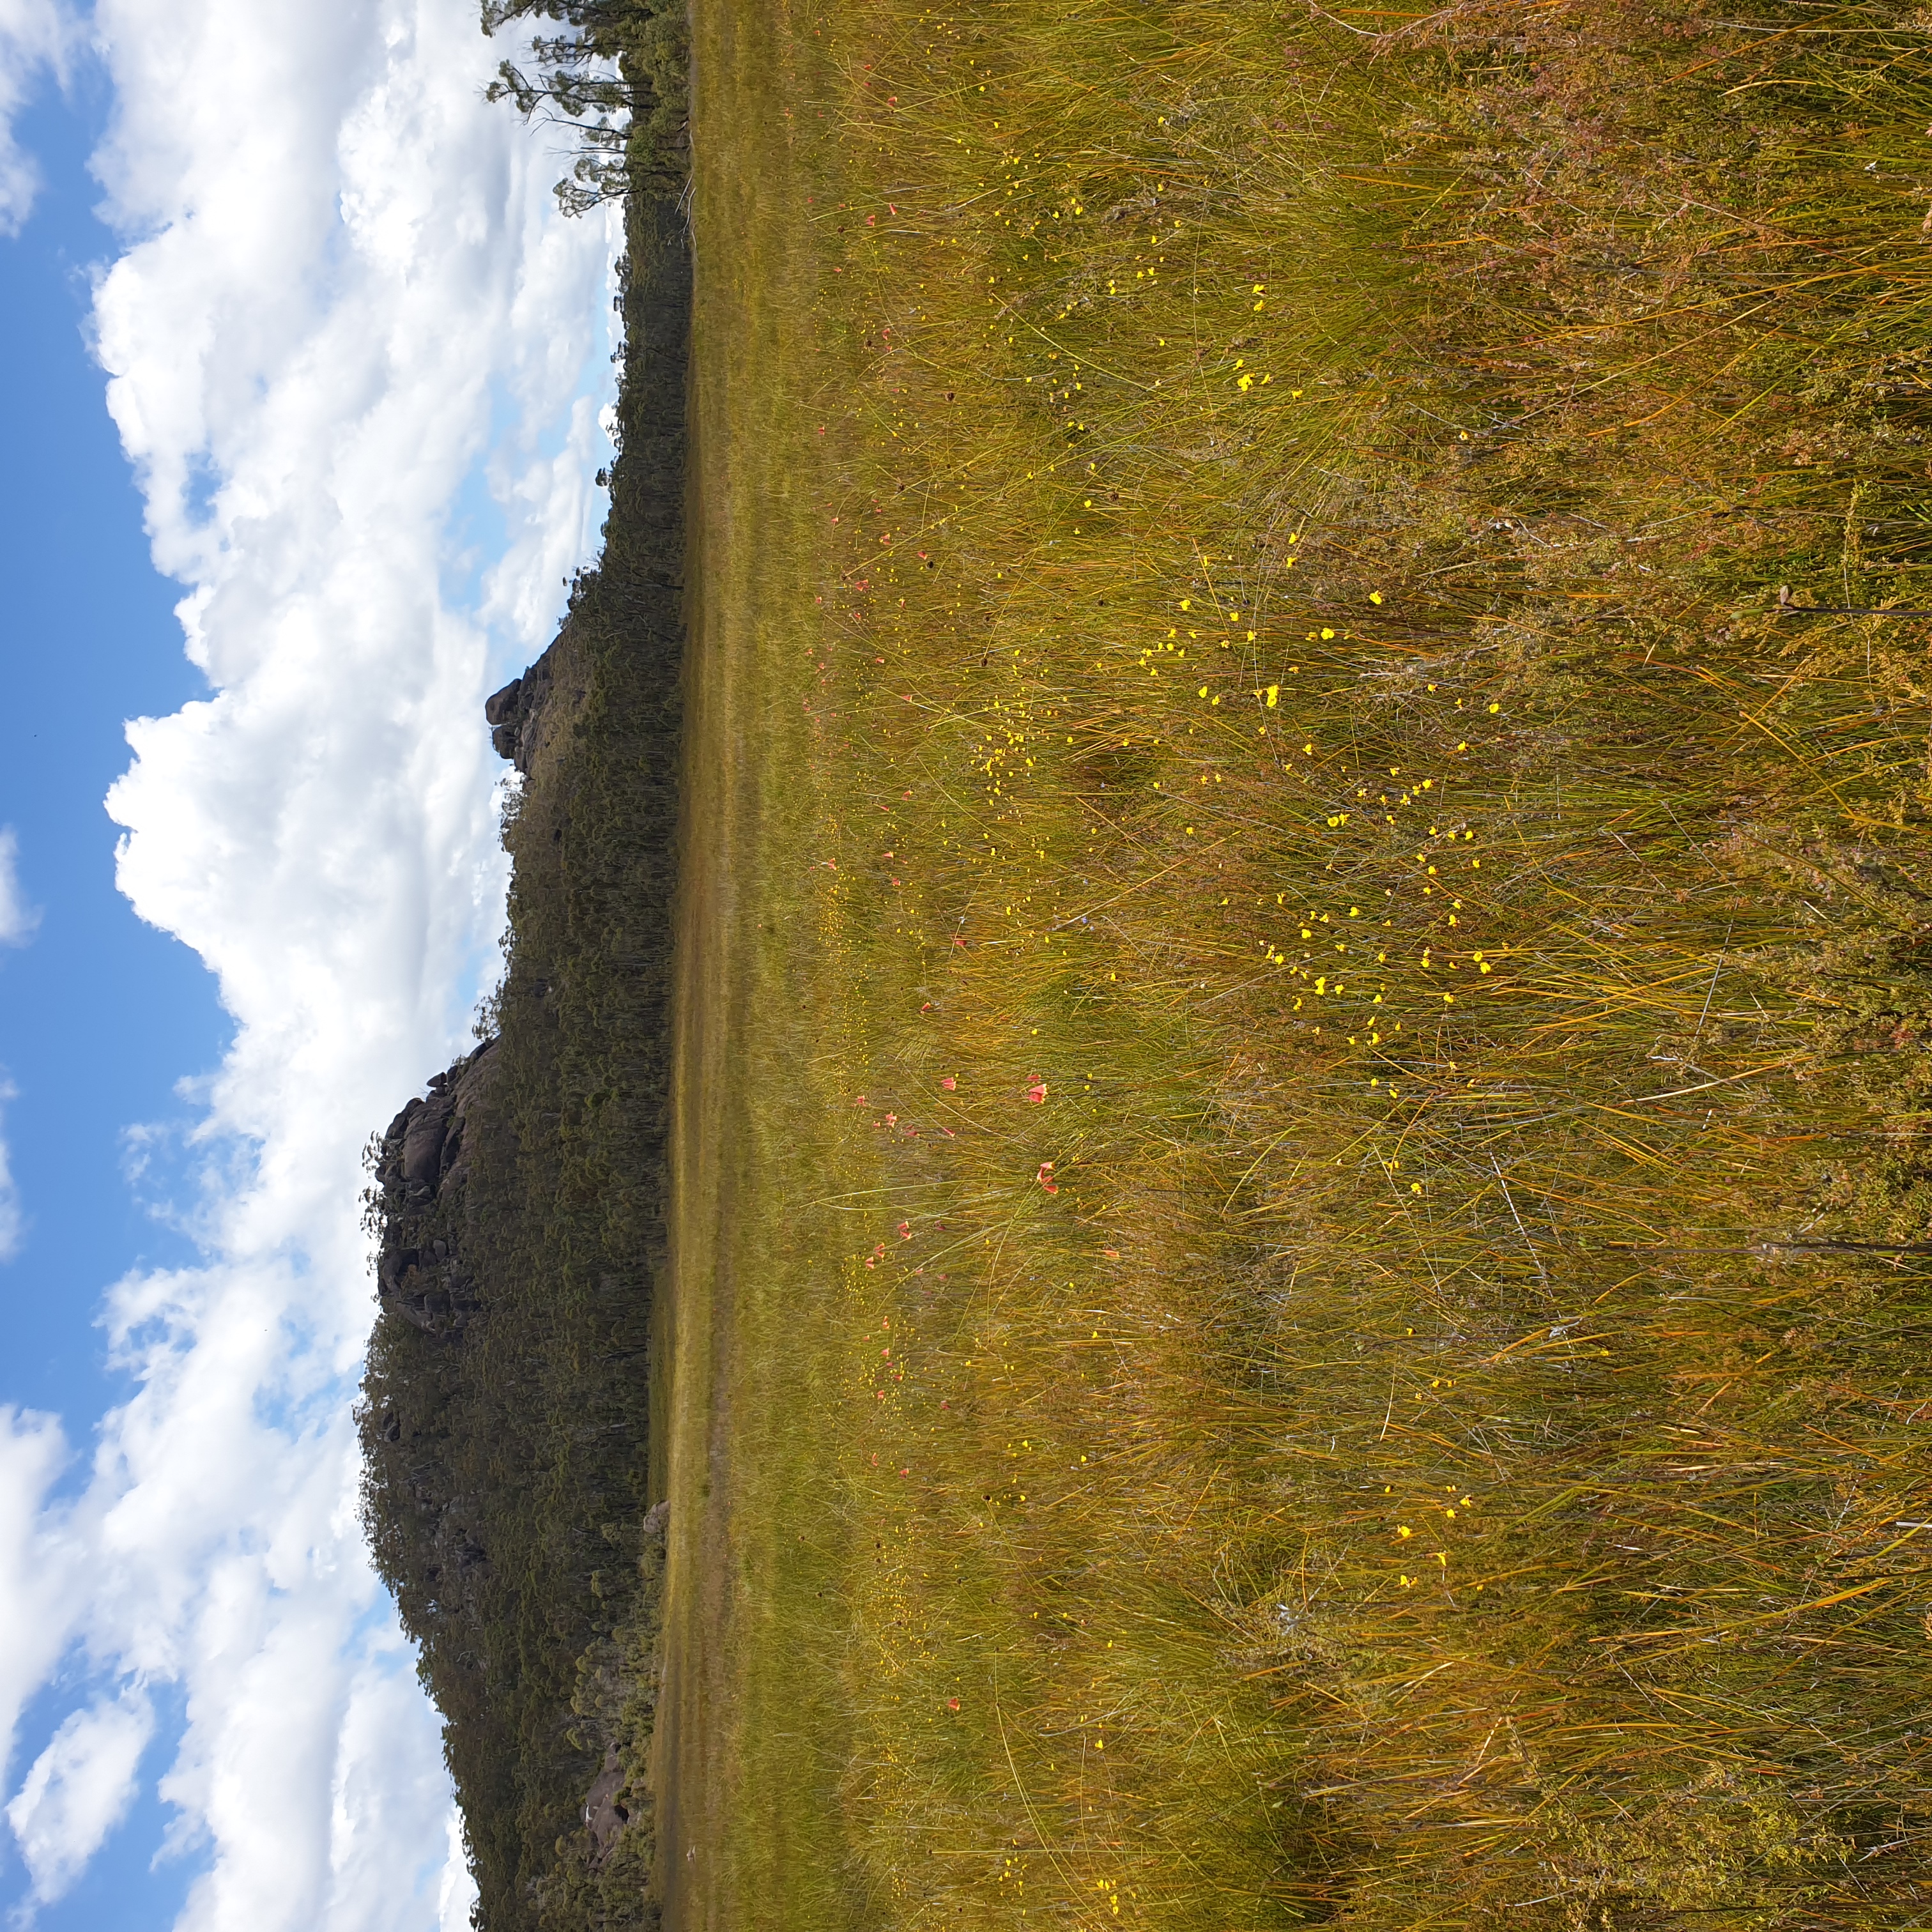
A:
(418, 1271)
(605, 1814)
(515, 714)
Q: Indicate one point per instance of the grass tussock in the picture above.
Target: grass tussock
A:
(1335, 1328)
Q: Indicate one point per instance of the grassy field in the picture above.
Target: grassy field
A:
(1302, 1177)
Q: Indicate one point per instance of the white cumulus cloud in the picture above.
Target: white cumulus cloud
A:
(13, 1220)
(457, 1895)
(357, 359)
(37, 38)
(36, 1612)
(18, 920)
(79, 1789)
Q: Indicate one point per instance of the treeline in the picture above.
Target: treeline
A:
(517, 1210)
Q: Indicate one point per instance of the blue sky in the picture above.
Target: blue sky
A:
(99, 1015)
(305, 383)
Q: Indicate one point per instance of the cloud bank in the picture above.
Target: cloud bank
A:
(354, 357)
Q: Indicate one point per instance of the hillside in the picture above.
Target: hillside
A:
(518, 1211)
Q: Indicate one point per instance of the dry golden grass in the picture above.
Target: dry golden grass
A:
(1326, 1315)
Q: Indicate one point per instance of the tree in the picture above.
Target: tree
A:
(617, 76)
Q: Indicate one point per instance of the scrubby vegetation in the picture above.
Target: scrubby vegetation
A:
(519, 1212)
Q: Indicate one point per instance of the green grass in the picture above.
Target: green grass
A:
(1431, 1433)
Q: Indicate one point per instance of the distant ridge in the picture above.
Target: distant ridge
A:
(517, 1208)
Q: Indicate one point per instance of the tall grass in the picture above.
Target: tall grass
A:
(1358, 1344)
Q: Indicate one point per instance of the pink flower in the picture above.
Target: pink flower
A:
(1046, 1178)
(1036, 1093)
(949, 1084)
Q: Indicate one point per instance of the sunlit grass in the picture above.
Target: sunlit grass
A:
(1345, 1359)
